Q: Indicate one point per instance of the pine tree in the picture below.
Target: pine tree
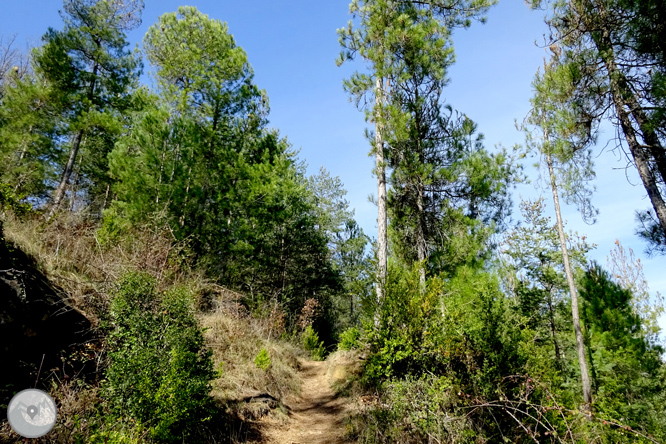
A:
(626, 368)
(389, 30)
(88, 64)
(200, 160)
(620, 75)
(30, 126)
(564, 143)
(535, 262)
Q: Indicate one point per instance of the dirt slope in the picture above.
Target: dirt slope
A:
(316, 417)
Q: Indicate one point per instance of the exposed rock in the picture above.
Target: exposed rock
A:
(38, 328)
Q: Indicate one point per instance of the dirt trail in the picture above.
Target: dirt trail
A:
(316, 417)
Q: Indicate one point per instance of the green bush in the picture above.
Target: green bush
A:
(263, 360)
(10, 200)
(160, 370)
(406, 340)
(312, 344)
(349, 339)
(413, 410)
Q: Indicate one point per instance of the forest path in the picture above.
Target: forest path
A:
(317, 416)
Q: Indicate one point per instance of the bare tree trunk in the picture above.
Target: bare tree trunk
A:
(66, 174)
(640, 156)
(638, 152)
(382, 241)
(652, 143)
(420, 235)
(580, 346)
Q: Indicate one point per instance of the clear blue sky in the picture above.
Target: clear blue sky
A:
(292, 47)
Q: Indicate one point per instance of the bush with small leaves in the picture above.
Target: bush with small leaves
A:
(263, 360)
(160, 371)
(349, 339)
(312, 344)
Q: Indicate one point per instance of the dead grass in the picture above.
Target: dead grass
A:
(69, 252)
(236, 337)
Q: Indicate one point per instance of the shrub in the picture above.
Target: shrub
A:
(160, 371)
(349, 339)
(413, 410)
(312, 344)
(406, 340)
(10, 200)
(263, 360)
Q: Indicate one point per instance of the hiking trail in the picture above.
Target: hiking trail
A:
(317, 416)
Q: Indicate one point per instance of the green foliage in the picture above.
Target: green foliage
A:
(160, 371)
(416, 410)
(651, 232)
(10, 201)
(29, 128)
(442, 180)
(405, 339)
(200, 160)
(533, 264)
(445, 181)
(206, 74)
(91, 76)
(455, 326)
(112, 437)
(627, 370)
(263, 360)
(608, 61)
(311, 343)
(350, 339)
(564, 132)
(347, 245)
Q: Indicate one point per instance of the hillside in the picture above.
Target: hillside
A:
(173, 271)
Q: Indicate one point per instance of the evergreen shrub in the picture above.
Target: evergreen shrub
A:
(312, 344)
(350, 339)
(160, 371)
(263, 360)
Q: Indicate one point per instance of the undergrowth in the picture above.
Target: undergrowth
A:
(176, 351)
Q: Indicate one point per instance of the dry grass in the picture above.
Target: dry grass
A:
(236, 337)
(69, 252)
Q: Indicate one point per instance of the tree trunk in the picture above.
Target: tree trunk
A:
(652, 143)
(75, 187)
(67, 173)
(580, 346)
(187, 195)
(623, 98)
(382, 241)
(558, 355)
(106, 199)
(420, 234)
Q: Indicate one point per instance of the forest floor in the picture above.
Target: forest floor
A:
(317, 416)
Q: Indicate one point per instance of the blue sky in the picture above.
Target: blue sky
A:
(292, 47)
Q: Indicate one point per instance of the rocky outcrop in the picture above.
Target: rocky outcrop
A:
(38, 327)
